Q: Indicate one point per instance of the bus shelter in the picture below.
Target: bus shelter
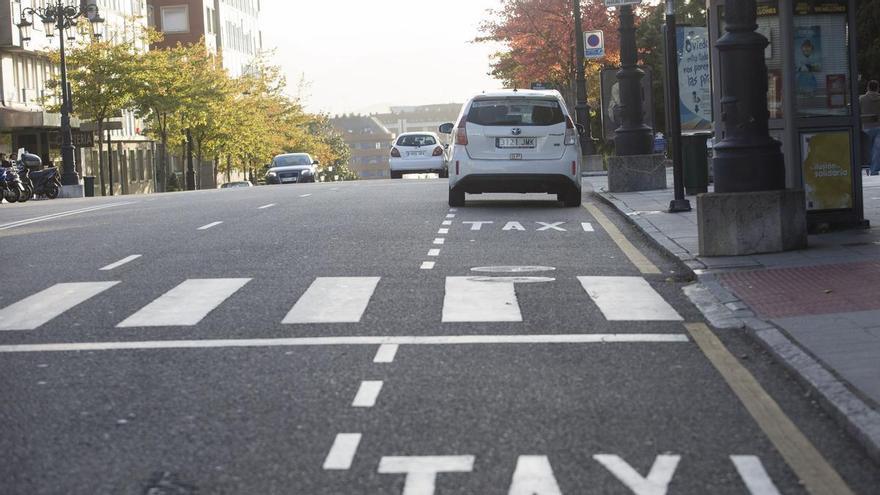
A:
(812, 98)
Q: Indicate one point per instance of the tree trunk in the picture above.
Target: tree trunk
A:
(101, 156)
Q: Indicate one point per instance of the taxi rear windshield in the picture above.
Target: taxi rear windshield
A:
(416, 140)
(507, 112)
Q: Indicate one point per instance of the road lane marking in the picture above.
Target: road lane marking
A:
(266, 206)
(433, 252)
(477, 225)
(427, 265)
(439, 240)
(533, 475)
(657, 481)
(754, 475)
(513, 269)
(577, 338)
(447, 222)
(551, 225)
(120, 262)
(53, 216)
(467, 300)
(453, 210)
(333, 300)
(38, 309)
(629, 250)
(342, 451)
(513, 226)
(801, 456)
(443, 231)
(208, 226)
(450, 215)
(587, 226)
(628, 299)
(187, 304)
(307, 195)
(385, 353)
(421, 471)
(367, 393)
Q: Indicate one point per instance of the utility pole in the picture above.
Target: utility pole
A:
(673, 113)
(582, 108)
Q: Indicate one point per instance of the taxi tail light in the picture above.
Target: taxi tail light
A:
(437, 151)
(395, 153)
(456, 168)
(461, 133)
(570, 136)
(573, 167)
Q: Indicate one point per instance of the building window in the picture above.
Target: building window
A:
(175, 19)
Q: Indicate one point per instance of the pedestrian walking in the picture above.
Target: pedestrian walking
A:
(870, 101)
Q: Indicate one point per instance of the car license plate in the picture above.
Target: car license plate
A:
(289, 179)
(518, 142)
(415, 153)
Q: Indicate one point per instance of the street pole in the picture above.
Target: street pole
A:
(110, 160)
(633, 137)
(69, 176)
(747, 159)
(582, 108)
(673, 112)
(190, 170)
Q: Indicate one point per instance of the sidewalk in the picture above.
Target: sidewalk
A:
(825, 299)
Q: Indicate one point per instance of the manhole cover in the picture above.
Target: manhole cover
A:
(513, 269)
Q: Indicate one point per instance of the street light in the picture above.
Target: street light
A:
(673, 114)
(582, 108)
(59, 15)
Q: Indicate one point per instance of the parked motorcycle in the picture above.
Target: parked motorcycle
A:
(11, 185)
(26, 184)
(46, 182)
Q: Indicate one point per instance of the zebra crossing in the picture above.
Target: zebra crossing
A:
(340, 300)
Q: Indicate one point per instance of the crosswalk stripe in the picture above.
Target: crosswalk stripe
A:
(628, 299)
(35, 310)
(468, 300)
(333, 300)
(187, 304)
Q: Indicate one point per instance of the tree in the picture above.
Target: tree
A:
(868, 33)
(102, 75)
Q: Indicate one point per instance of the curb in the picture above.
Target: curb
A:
(724, 310)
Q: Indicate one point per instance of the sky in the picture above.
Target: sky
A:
(362, 56)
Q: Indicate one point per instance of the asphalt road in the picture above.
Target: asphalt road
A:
(340, 341)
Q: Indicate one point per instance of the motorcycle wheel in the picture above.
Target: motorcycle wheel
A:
(27, 194)
(11, 195)
(52, 190)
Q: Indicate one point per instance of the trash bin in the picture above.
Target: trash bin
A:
(89, 185)
(695, 158)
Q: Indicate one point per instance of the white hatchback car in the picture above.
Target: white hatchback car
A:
(418, 152)
(515, 141)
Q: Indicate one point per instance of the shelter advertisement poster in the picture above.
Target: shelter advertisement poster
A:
(694, 79)
(808, 57)
(827, 170)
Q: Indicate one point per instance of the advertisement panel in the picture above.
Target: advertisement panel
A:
(694, 79)
(827, 168)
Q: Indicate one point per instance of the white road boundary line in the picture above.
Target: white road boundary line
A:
(307, 195)
(578, 338)
(120, 262)
(342, 452)
(367, 393)
(208, 226)
(53, 216)
(266, 206)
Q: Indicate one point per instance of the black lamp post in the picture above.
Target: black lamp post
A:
(59, 15)
(633, 137)
(582, 108)
(673, 113)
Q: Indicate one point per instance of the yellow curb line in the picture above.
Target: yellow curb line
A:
(818, 477)
(635, 256)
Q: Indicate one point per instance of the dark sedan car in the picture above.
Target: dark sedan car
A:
(292, 168)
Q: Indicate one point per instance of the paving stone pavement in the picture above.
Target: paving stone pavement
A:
(826, 297)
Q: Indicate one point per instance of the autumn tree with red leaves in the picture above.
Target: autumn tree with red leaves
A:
(538, 36)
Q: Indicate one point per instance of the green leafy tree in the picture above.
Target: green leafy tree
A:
(868, 33)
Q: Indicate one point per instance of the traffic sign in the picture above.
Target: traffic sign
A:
(618, 3)
(594, 44)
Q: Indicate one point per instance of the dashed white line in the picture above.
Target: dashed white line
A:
(367, 393)
(433, 252)
(120, 262)
(439, 240)
(307, 195)
(427, 265)
(450, 215)
(266, 206)
(342, 452)
(206, 227)
(386, 353)
(453, 210)
(447, 222)
(753, 475)
(443, 231)
(588, 227)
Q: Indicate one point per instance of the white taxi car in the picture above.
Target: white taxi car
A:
(417, 152)
(515, 141)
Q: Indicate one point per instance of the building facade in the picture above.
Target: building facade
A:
(25, 122)
(421, 118)
(370, 145)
